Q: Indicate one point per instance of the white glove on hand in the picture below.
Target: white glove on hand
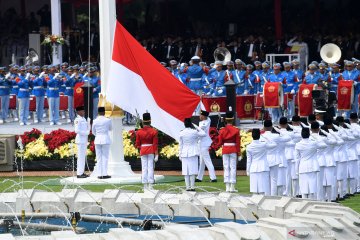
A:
(239, 158)
(94, 90)
(41, 74)
(73, 75)
(220, 91)
(56, 75)
(246, 92)
(27, 76)
(156, 158)
(7, 76)
(292, 91)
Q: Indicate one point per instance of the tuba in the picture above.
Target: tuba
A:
(222, 54)
(330, 53)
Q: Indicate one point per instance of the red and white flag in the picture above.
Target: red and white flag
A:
(137, 82)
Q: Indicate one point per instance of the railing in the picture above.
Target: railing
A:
(271, 58)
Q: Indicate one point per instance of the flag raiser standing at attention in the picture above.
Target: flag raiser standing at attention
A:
(138, 83)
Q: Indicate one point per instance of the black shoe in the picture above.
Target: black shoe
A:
(340, 199)
(104, 177)
(298, 196)
(192, 190)
(82, 176)
(188, 190)
(346, 196)
(198, 180)
(214, 180)
(351, 194)
(335, 201)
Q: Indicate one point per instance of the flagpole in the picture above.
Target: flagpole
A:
(117, 167)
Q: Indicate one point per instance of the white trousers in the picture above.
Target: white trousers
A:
(102, 158)
(81, 154)
(205, 160)
(147, 168)
(259, 183)
(320, 186)
(358, 180)
(229, 163)
(273, 180)
(288, 189)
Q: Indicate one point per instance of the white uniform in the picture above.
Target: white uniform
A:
(329, 179)
(289, 155)
(257, 167)
(352, 166)
(82, 130)
(307, 165)
(101, 128)
(342, 164)
(276, 158)
(295, 177)
(356, 127)
(205, 143)
(189, 153)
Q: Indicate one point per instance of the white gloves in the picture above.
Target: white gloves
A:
(156, 158)
(246, 92)
(292, 91)
(41, 74)
(27, 76)
(239, 158)
(220, 91)
(73, 75)
(7, 76)
(56, 75)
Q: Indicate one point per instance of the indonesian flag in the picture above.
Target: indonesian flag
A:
(138, 83)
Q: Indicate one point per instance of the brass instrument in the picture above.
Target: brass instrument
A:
(222, 54)
(330, 53)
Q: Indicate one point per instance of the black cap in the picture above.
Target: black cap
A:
(328, 121)
(80, 108)
(311, 117)
(229, 115)
(315, 125)
(353, 115)
(204, 113)
(188, 123)
(283, 120)
(340, 119)
(268, 123)
(146, 117)
(305, 133)
(296, 118)
(101, 109)
(255, 133)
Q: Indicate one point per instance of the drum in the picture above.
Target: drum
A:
(273, 95)
(305, 99)
(345, 94)
(12, 102)
(32, 104)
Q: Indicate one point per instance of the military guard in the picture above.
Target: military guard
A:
(82, 130)
(101, 128)
(205, 143)
(257, 166)
(189, 152)
(229, 139)
(147, 142)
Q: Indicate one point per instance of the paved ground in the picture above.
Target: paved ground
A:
(68, 173)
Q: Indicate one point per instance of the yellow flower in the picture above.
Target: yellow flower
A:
(36, 149)
(129, 148)
(67, 150)
(170, 151)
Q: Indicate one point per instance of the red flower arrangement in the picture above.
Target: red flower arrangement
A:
(29, 136)
(58, 138)
(214, 135)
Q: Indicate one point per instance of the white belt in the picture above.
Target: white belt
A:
(229, 144)
(146, 145)
(4, 87)
(52, 88)
(15, 86)
(195, 79)
(69, 88)
(289, 85)
(38, 87)
(24, 89)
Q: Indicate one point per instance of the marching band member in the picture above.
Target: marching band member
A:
(239, 74)
(13, 77)
(95, 82)
(307, 164)
(194, 74)
(229, 139)
(276, 76)
(299, 74)
(312, 77)
(205, 143)
(275, 157)
(257, 167)
(250, 80)
(147, 142)
(219, 80)
(25, 86)
(39, 89)
(189, 152)
(351, 74)
(70, 82)
(264, 76)
(290, 89)
(258, 73)
(5, 85)
(53, 97)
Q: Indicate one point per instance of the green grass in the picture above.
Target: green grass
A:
(51, 184)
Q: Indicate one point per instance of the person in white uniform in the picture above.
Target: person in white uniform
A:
(289, 153)
(101, 128)
(307, 164)
(257, 166)
(275, 157)
(82, 130)
(330, 142)
(189, 152)
(354, 122)
(205, 143)
(296, 127)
